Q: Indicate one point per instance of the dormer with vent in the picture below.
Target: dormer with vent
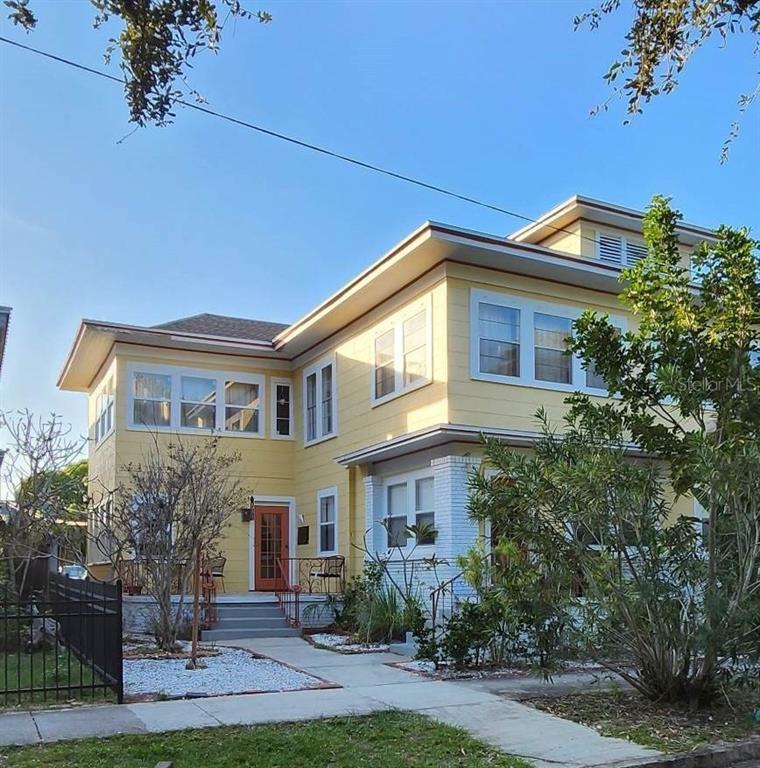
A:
(599, 231)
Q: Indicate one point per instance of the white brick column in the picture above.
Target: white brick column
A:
(456, 532)
(372, 510)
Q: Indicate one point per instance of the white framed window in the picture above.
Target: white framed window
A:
(593, 379)
(327, 511)
(551, 360)
(197, 402)
(151, 398)
(620, 250)
(104, 411)
(194, 400)
(282, 409)
(514, 340)
(402, 353)
(320, 401)
(242, 407)
(409, 500)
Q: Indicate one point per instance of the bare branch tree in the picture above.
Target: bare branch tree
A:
(44, 497)
(175, 503)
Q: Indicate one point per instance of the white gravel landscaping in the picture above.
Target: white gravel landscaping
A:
(346, 644)
(232, 671)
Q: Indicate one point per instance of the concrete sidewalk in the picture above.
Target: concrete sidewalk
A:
(369, 685)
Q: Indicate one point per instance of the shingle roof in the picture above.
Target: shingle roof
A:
(230, 327)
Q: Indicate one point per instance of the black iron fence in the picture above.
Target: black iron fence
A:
(63, 643)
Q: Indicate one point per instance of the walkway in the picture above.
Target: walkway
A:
(368, 685)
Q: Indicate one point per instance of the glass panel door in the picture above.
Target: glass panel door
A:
(271, 524)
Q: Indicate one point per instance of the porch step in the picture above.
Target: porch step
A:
(251, 609)
(247, 618)
(241, 634)
(251, 622)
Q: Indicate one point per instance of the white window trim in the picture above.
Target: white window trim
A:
(324, 494)
(274, 382)
(624, 242)
(109, 383)
(317, 368)
(396, 323)
(528, 308)
(410, 478)
(176, 373)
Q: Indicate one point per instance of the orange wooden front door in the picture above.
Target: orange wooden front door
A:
(271, 545)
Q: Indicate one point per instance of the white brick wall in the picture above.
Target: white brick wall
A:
(456, 532)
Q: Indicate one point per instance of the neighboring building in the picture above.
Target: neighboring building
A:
(370, 407)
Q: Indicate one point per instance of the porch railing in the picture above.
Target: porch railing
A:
(288, 597)
(316, 575)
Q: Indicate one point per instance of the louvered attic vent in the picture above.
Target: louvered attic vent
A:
(614, 249)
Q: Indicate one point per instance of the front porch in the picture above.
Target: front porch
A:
(305, 596)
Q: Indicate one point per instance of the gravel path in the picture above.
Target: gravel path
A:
(232, 671)
(344, 644)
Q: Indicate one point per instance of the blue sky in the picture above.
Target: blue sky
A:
(490, 99)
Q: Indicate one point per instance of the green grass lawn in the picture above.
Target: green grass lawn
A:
(22, 670)
(385, 740)
(666, 727)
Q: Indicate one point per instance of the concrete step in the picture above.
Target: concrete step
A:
(235, 611)
(239, 634)
(252, 622)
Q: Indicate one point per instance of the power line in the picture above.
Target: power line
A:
(304, 144)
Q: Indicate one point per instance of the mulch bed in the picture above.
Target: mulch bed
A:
(666, 727)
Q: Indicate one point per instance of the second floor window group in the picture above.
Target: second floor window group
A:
(194, 400)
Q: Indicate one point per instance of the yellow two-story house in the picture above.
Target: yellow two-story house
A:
(370, 407)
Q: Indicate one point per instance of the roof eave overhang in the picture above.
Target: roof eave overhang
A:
(606, 214)
(429, 246)
(95, 339)
(444, 434)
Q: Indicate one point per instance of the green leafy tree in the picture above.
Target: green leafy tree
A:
(158, 42)
(663, 36)
(594, 560)
(687, 382)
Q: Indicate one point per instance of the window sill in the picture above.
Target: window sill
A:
(535, 384)
(191, 431)
(393, 395)
(318, 440)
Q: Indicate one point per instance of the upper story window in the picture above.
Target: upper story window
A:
(194, 400)
(241, 406)
(319, 401)
(402, 353)
(282, 409)
(151, 398)
(619, 249)
(519, 341)
(550, 337)
(104, 416)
